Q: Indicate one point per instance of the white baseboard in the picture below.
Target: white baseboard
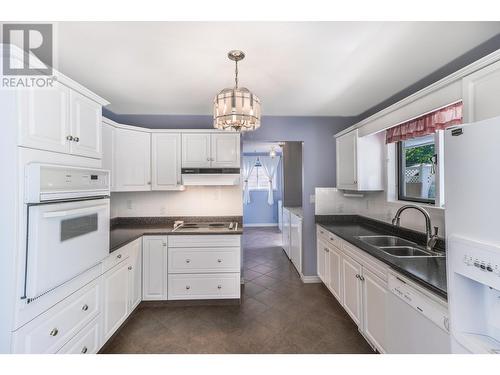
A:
(310, 279)
(260, 225)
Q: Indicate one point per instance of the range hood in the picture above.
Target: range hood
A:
(210, 176)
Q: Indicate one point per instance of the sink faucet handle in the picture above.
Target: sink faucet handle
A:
(436, 231)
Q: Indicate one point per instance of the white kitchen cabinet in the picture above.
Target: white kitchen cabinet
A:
(135, 275)
(360, 161)
(210, 150)
(154, 268)
(132, 160)
(481, 91)
(286, 232)
(60, 120)
(322, 261)
(296, 241)
(116, 298)
(352, 288)
(87, 341)
(196, 150)
(44, 118)
(225, 150)
(374, 309)
(86, 119)
(108, 149)
(166, 161)
(334, 275)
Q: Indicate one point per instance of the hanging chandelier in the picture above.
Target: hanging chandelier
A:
(236, 108)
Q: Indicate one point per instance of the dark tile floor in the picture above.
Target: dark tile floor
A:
(278, 314)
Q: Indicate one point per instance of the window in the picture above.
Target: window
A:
(258, 179)
(417, 169)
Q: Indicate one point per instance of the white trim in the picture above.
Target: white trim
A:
(459, 74)
(150, 130)
(310, 279)
(260, 225)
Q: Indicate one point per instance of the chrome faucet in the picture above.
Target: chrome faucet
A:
(431, 237)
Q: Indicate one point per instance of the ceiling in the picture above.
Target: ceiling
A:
(296, 68)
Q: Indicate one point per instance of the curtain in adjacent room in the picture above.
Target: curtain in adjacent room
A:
(270, 166)
(426, 124)
(246, 171)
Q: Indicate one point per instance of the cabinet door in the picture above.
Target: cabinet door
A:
(286, 232)
(135, 275)
(154, 268)
(347, 161)
(322, 254)
(166, 161)
(44, 118)
(334, 267)
(132, 161)
(351, 285)
(225, 150)
(196, 150)
(108, 147)
(374, 309)
(481, 91)
(296, 241)
(116, 305)
(86, 119)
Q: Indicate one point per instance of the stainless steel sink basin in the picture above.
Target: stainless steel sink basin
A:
(398, 247)
(380, 241)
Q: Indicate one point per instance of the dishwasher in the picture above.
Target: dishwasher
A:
(417, 321)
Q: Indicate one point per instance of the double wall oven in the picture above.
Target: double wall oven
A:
(67, 224)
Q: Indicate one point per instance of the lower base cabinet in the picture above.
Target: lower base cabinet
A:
(154, 268)
(87, 341)
(375, 293)
(352, 288)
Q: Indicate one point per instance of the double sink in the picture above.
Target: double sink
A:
(398, 247)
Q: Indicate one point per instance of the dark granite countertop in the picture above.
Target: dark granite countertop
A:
(125, 230)
(428, 272)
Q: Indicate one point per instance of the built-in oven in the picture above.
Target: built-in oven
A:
(68, 224)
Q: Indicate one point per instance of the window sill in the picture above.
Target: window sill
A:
(419, 204)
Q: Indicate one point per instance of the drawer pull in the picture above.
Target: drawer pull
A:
(129, 268)
(326, 249)
(332, 239)
(219, 260)
(84, 350)
(54, 332)
(188, 287)
(85, 307)
(219, 286)
(119, 256)
(321, 232)
(188, 260)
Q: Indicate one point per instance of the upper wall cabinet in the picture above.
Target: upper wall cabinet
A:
(166, 161)
(60, 119)
(132, 160)
(211, 150)
(360, 161)
(481, 91)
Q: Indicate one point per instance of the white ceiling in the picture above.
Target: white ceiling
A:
(297, 69)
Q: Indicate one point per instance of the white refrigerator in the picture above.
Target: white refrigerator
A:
(472, 198)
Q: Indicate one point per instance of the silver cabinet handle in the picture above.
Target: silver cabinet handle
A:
(119, 256)
(54, 332)
(188, 260)
(164, 244)
(208, 159)
(219, 287)
(446, 323)
(76, 139)
(69, 137)
(149, 182)
(130, 268)
(188, 287)
(85, 307)
(219, 260)
(327, 250)
(321, 232)
(84, 350)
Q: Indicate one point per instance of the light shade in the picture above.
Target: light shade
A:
(236, 109)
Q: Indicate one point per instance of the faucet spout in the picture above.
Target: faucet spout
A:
(431, 237)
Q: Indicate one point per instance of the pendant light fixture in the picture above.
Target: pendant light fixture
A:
(236, 109)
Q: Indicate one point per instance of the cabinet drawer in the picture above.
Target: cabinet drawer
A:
(85, 342)
(194, 260)
(203, 286)
(325, 235)
(210, 240)
(117, 256)
(51, 330)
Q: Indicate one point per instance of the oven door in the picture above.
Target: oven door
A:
(64, 240)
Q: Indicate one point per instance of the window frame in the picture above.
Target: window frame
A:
(438, 200)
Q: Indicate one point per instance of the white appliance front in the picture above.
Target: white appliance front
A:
(64, 240)
(472, 185)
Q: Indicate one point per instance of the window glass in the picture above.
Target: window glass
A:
(258, 179)
(417, 169)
